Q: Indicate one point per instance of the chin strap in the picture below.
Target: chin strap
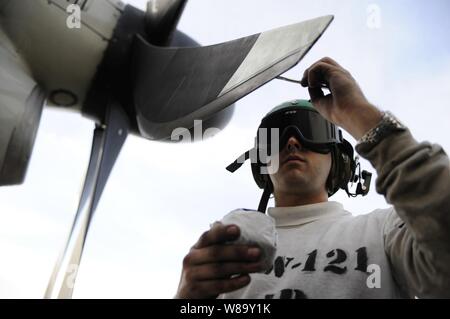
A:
(265, 198)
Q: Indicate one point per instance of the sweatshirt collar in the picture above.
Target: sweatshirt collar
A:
(300, 215)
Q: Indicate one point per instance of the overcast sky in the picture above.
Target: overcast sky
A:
(161, 197)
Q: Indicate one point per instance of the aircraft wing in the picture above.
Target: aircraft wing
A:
(175, 86)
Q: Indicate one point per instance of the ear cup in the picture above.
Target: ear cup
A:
(342, 168)
(345, 173)
(349, 165)
(332, 181)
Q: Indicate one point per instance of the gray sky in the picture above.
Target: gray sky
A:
(161, 197)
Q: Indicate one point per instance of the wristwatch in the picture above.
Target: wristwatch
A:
(388, 125)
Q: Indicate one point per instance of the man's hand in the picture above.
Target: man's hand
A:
(346, 106)
(212, 267)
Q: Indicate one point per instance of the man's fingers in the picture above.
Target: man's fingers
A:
(218, 234)
(304, 80)
(223, 253)
(330, 61)
(315, 94)
(213, 288)
(222, 270)
(318, 74)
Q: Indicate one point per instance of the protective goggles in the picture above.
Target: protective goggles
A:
(308, 126)
(313, 131)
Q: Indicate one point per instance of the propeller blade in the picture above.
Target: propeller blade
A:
(107, 144)
(175, 86)
(161, 19)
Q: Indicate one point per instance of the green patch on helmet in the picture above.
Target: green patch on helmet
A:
(294, 104)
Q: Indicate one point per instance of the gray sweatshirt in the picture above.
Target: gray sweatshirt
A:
(401, 252)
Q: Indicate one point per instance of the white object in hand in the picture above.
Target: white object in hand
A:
(257, 229)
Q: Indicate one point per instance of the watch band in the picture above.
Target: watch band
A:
(388, 125)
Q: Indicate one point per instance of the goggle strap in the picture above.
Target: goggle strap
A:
(237, 164)
(264, 199)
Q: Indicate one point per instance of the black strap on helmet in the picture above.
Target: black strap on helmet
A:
(233, 167)
(268, 188)
(264, 201)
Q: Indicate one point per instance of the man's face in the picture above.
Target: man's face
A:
(301, 171)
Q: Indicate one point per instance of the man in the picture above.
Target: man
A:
(323, 251)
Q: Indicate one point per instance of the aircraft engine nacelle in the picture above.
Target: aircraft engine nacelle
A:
(21, 101)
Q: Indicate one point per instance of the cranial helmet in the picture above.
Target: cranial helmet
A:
(300, 119)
